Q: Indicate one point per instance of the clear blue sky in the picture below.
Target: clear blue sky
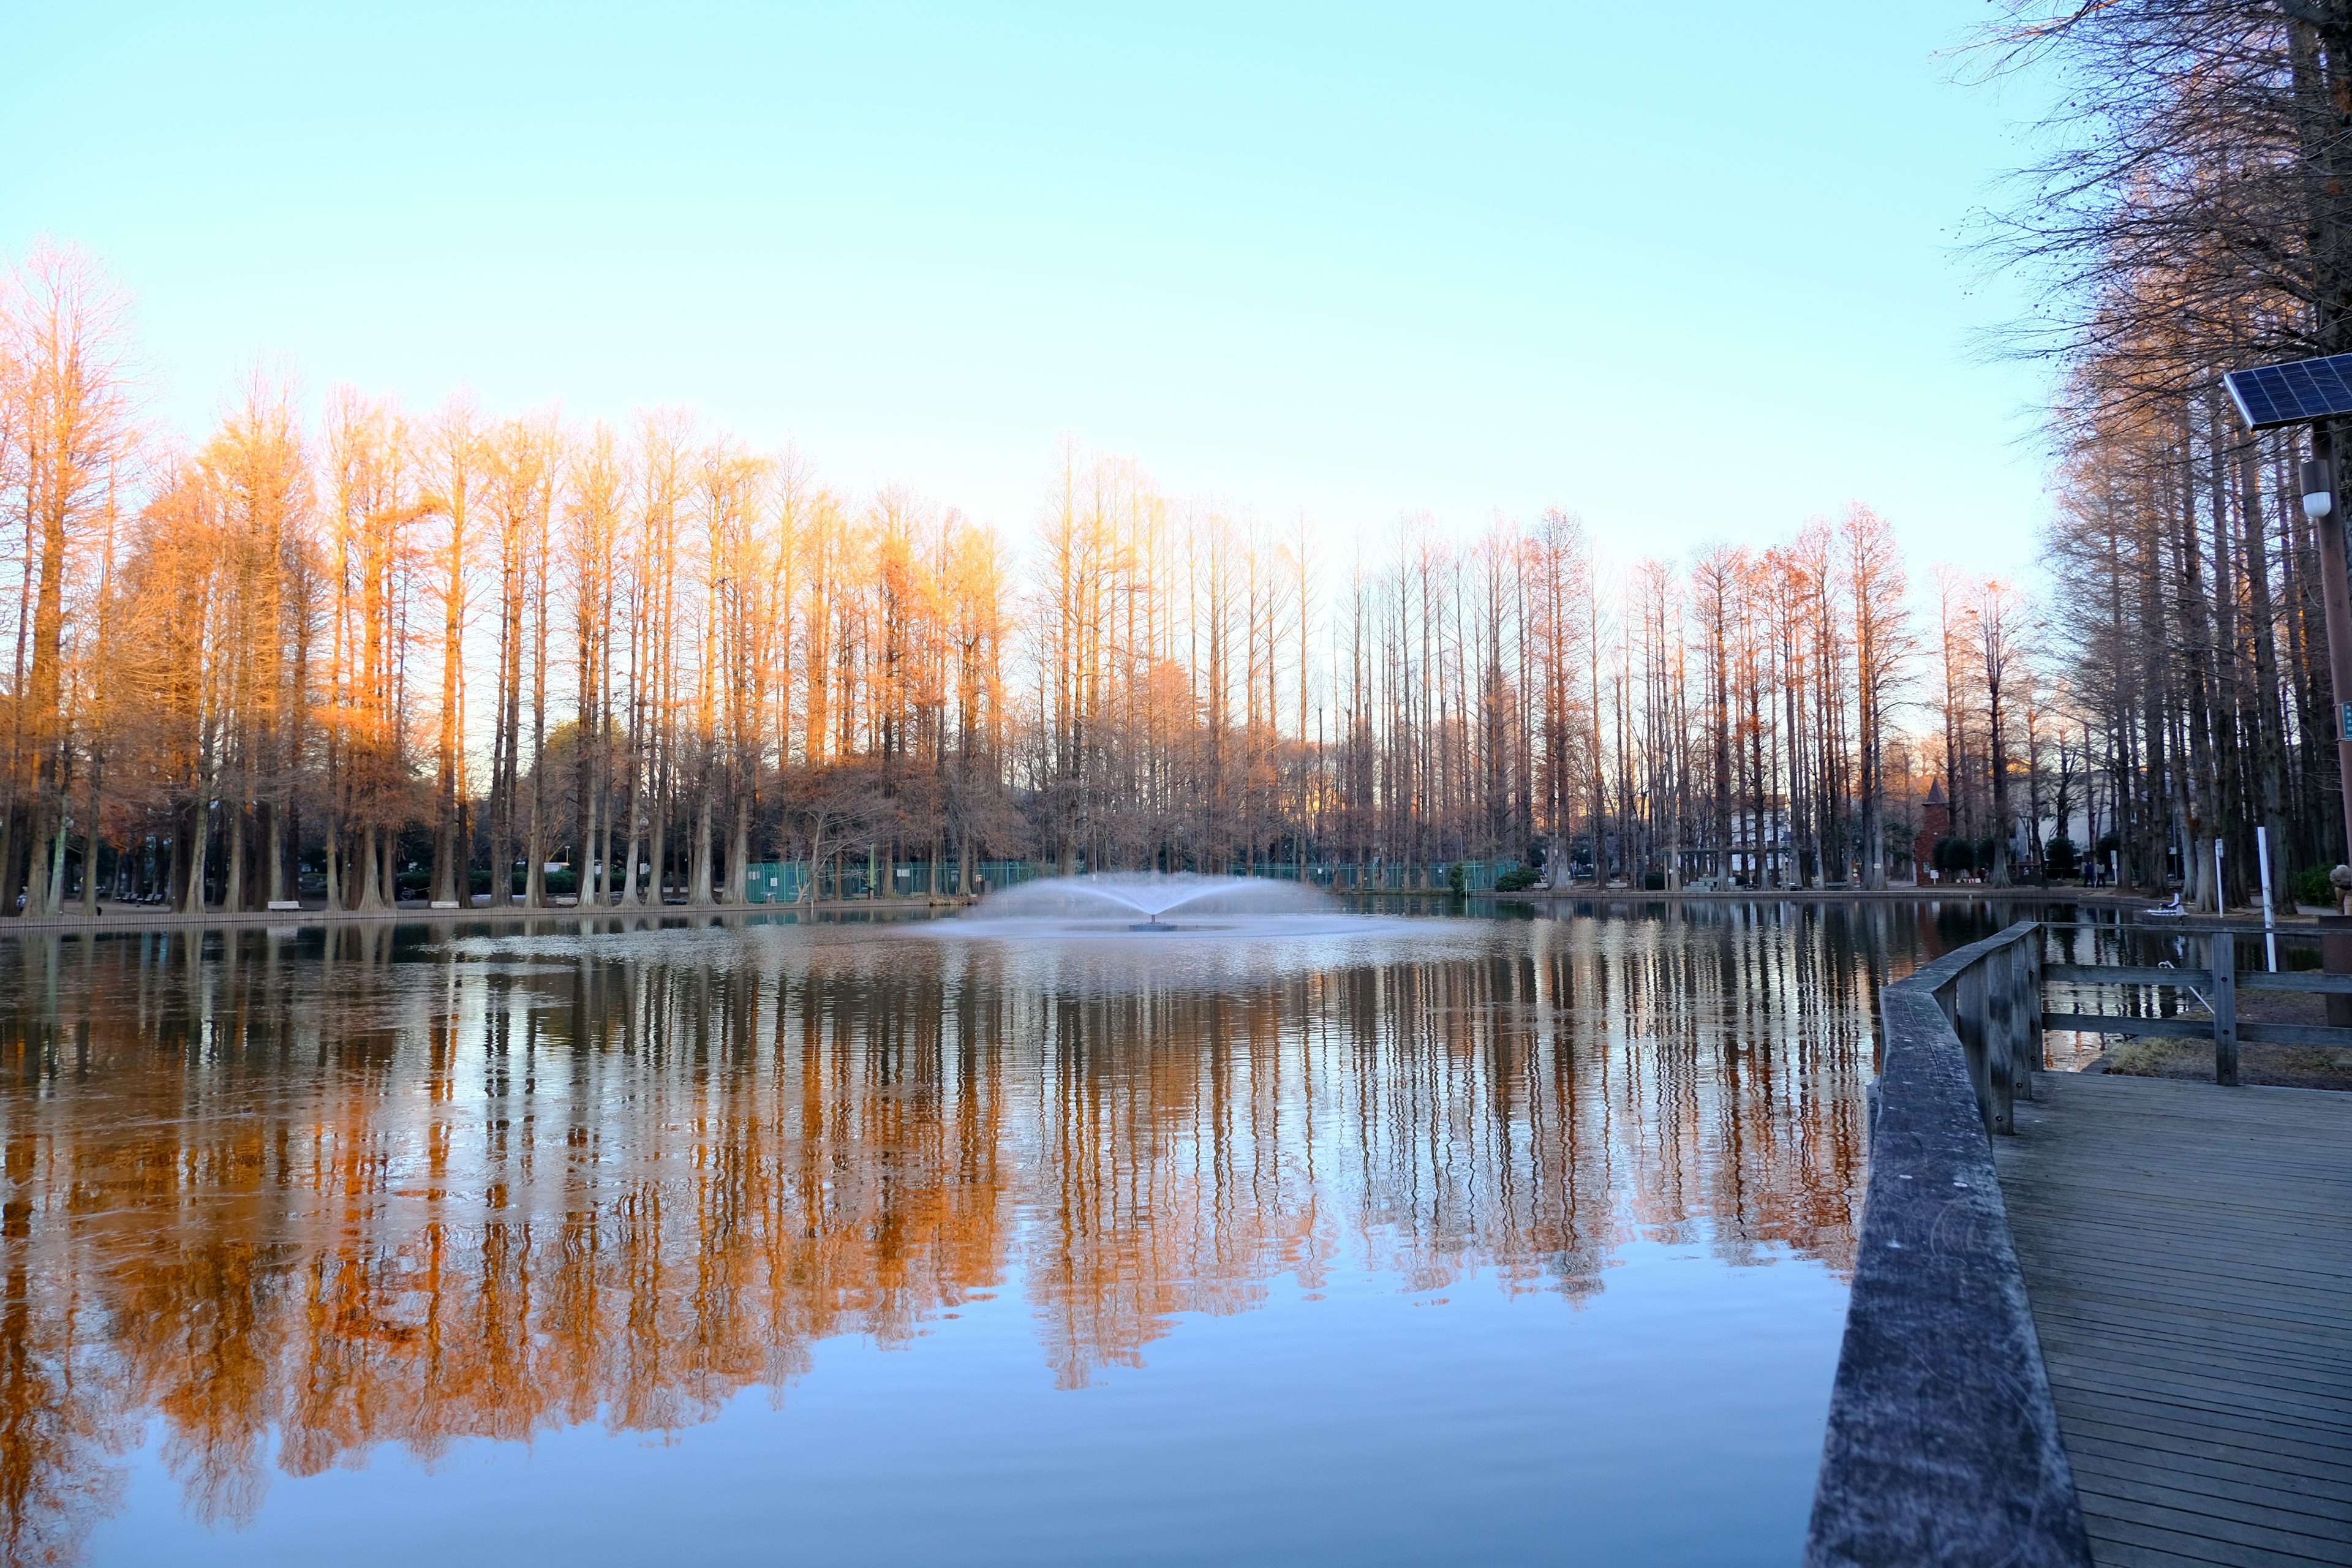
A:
(1689, 270)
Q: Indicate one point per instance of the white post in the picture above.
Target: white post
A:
(2270, 913)
(2220, 904)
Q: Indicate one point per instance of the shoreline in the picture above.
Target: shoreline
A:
(140, 918)
(1972, 892)
(2243, 921)
(135, 918)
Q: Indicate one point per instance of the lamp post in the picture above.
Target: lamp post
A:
(2336, 603)
(2316, 392)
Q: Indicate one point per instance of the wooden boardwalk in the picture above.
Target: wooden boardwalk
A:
(2189, 1253)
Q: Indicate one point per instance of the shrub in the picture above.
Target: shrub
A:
(2059, 857)
(2312, 887)
(1517, 879)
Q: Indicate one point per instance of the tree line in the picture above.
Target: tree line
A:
(372, 653)
(2188, 216)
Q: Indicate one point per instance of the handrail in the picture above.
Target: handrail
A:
(1943, 1443)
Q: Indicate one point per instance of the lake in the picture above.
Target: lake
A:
(1378, 1239)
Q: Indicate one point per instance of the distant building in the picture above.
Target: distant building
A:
(1744, 859)
(1935, 823)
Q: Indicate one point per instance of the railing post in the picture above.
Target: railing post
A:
(2034, 990)
(2024, 1015)
(2225, 1008)
(2000, 1039)
(1969, 1023)
(2335, 957)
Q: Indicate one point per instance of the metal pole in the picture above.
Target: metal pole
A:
(2270, 913)
(2221, 897)
(2335, 600)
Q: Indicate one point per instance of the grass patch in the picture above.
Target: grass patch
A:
(2158, 1056)
(2294, 1067)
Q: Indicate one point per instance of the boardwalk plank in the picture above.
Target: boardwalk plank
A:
(2107, 1532)
(2167, 1370)
(2304, 1476)
(2229, 1498)
(2269, 1439)
(2308, 1406)
(2129, 1554)
(2070, 1312)
(2254, 1246)
(2286, 1351)
(2126, 1297)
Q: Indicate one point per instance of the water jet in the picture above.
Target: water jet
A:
(1146, 901)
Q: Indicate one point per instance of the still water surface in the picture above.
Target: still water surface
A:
(1376, 1241)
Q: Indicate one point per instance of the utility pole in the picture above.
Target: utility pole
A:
(2316, 392)
(2320, 505)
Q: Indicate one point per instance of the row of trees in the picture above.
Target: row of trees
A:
(2190, 217)
(398, 652)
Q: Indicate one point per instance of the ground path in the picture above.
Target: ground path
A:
(145, 917)
(2188, 1249)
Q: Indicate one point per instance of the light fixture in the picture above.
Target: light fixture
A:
(2318, 498)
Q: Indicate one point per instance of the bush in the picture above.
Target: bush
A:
(1453, 882)
(1517, 879)
(2312, 887)
(2060, 859)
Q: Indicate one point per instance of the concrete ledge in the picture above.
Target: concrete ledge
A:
(1943, 1442)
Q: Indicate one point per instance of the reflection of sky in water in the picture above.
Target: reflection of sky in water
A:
(1428, 1240)
(1212, 951)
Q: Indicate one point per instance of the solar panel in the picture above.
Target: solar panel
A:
(2290, 394)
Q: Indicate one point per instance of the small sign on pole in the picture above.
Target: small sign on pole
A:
(2270, 914)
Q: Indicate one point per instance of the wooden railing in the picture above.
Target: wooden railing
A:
(1943, 1443)
(1993, 1004)
(2215, 985)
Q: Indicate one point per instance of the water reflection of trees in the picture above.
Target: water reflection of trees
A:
(296, 1198)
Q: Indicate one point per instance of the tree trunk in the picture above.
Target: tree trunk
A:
(698, 853)
(200, 831)
(739, 851)
(89, 843)
(372, 891)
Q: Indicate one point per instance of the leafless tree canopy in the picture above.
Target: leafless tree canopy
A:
(2186, 214)
(378, 654)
